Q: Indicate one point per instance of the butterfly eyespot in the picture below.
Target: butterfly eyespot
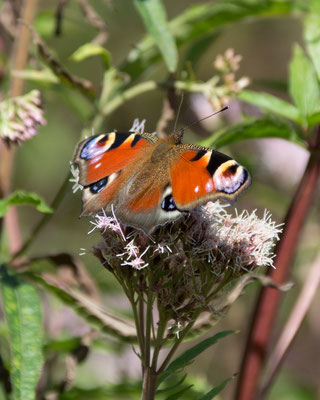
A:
(98, 186)
(229, 177)
(168, 203)
(233, 168)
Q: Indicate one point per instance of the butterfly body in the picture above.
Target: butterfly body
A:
(150, 181)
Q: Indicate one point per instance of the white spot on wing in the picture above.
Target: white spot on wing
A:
(209, 186)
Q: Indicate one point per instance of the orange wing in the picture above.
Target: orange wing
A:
(102, 155)
(200, 175)
(104, 162)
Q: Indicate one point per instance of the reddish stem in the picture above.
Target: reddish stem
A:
(268, 301)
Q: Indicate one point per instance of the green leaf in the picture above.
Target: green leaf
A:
(90, 50)
(22, 309)
(21, 197)
(154, 17)
(216, 390)
(170, 388)
(63, 346)
(178, 395)
(200, 20)
(256, 129)
(303, 84)
(190, 354)
(315, 6)
(312, 39)
(45, 22)
(314, 119)
(104, 321)
(270, 103)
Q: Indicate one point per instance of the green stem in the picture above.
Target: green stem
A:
(147, 86)
(148, 322)
(179, 341)
(225, 280)
(141, 324)
(140, 334)
(121, 98)
(158, 344)
(195, 315)
(45, 218)
(149, 384)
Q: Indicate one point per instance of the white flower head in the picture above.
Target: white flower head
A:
(138, 126)
(104, 222)
(242, 242)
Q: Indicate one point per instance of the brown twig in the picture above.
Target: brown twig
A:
(167, 115)
(93, 19)
(5, 378)
(8, 19)
(268, 302)
(59, 16)
(83, 85)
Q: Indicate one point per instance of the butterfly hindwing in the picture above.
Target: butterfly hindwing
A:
(150, 208)
(202, 174)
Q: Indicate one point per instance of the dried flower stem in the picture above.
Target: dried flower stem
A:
(268, 302)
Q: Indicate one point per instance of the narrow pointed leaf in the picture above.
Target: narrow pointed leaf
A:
(178, 395)
(90, 50)
(216, 390)
(256, 129)
(168, 389)
(312, 39)
(303, 84)
(90, 311)
(199, 20)
(21, 197)
(154, 17)
(270, 103)
(191, 354)
(22, 309)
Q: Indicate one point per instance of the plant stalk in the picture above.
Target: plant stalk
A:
(269, 299)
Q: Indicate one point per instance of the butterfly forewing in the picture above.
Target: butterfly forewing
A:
(104, 161)
(101, 155)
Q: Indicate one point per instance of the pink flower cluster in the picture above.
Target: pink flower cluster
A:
(20, 117)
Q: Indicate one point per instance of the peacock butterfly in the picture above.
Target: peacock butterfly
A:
(149, 181)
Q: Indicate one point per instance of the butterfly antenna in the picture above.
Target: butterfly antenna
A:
(178, 135)
(208, 116)
(178, 113)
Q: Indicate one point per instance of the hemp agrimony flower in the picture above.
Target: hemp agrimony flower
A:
(20, 117)
(181, 271)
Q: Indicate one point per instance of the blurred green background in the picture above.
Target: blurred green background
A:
(276, 167)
